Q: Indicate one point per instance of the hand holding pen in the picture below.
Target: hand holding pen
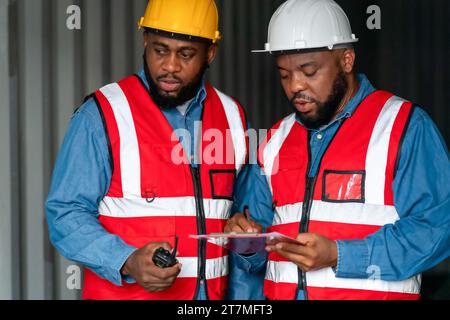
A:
(242, 223)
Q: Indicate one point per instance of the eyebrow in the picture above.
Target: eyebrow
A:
(304, 65)
(308, 64)
(157, 43)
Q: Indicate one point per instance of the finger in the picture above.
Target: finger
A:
(237, 228)
(164, 245)
(161, 283)
(272, 245)
(164, 274)
(304, 238)
(232, 227)
(228, 226)
(156, 285)
(172, 271)
(154, 289)
(294, 248)
(170, 281)
(245, 225)
(295, 258)
(257, 227)
(159, 286)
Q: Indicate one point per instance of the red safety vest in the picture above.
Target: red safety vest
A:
(350, 198)
(155, 195)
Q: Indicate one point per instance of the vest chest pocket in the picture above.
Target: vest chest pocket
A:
(289, 175)
(343, 186)
(289, 162)
(166, 172)
(222, 183)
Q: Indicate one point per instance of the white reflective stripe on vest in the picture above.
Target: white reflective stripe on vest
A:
(286, 272)
(163, 207)
(236, 128)
(273, 147)
(377, 153)
(282, 272)
(215, 268)
(129, 148)
(351, 213)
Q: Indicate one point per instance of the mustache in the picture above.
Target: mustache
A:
(168, 76)
(302, 96)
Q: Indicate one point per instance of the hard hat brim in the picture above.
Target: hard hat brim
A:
(177, 36)
(346, 44)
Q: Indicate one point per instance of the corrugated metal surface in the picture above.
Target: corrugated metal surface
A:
(46, 70)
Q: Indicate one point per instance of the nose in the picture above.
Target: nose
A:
(297, 84)
(171, 64)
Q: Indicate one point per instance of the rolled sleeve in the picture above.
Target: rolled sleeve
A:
(81, 178)
(353, 259)
(420, 239)
(122, 257)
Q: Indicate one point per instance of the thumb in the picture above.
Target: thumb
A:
(153, 246)
(256, 226)
(303, 238)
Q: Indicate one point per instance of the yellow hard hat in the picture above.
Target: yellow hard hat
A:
(196, 18)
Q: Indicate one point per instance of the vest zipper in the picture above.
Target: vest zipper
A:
(201, 229)
(304, 222)
(307, 204)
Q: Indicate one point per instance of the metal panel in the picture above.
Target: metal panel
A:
(92, 29)
(6, 247)
(120, 33)
(138, 42)
(65, 102)
(32, 154)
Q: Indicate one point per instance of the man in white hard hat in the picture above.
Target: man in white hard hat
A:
(359, 177)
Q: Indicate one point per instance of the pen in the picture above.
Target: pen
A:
(247, 213)
(247, 216)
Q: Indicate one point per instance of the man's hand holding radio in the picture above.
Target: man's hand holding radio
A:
(149, 276)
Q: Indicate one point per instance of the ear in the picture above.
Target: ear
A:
(348, 60)
(211, 54)
(145, 39)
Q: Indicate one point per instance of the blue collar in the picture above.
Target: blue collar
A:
(364, 90)
(198, 100)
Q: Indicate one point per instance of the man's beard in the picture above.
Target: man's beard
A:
(186, 93)
(326, 111)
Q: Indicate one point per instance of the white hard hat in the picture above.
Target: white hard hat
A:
(308, 24)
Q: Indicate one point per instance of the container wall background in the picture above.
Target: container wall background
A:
(46, 70)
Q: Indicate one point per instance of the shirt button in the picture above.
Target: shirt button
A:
(319, 136)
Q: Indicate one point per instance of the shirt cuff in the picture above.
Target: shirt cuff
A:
(116, 276)
(353, 259)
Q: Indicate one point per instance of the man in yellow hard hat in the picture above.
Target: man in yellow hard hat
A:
(140, 169)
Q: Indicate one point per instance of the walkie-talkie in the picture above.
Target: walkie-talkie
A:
(162, 258)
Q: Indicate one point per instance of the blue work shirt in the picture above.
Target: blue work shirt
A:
(415, 243)
(81, 179)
